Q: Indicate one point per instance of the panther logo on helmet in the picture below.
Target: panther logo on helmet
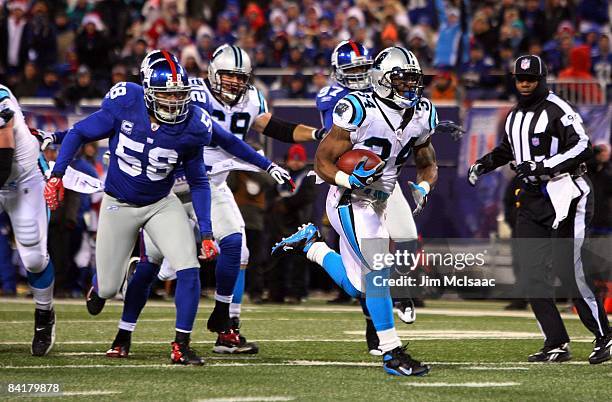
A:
(397, 76)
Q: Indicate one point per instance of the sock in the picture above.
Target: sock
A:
(138, 290)
(332, 264)
(94, 282)
(379, 304)
(187, 298)
(123, 335)
(228, 264)
(182, 337)
(238, 292)
(222, 308)
(388, 340)
(41, 284)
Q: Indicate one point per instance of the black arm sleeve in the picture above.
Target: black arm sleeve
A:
(280, 130)
(6, 163)
(499, 156)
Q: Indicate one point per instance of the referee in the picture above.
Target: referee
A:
(546, 139)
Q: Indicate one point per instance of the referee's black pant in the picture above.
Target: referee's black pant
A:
(546, 254)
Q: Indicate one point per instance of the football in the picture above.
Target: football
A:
(349, 159)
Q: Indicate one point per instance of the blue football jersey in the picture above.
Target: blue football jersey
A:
(143, 155)
(326, 100)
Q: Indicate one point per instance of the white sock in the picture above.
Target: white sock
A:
(234, 310)
(43, 298)
(317, 252)
(127, 326)
(223, 299)
(388, 340)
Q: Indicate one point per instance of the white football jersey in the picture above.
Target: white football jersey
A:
(389, 133)
(25, 160)
(236, 119)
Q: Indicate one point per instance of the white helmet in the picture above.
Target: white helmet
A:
(397, 76)
(234, 62)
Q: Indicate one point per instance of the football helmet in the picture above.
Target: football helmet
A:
(230, 74)
(166, 87)
(351, 63)
(397, 76)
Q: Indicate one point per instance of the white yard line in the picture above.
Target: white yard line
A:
(248, 399)
(88, 393)
(462, 384)
(494, 368)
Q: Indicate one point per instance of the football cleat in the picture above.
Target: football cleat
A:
(120, 348)
(183, 354)
(44, 332)
(557, 354)
(398, 362)
(602, 350)
(95, 304)
(405, 310)
(300, 241)
(243, 346)
(231, 342)
(372, 339)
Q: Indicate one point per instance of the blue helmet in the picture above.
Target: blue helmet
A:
(166, 87)
(351, 63)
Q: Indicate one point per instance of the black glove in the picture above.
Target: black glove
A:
(451, 128)
(6, 115)
(531, 168)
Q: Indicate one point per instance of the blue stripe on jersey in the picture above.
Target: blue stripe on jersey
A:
(359, 115)
(432, 117)
(345, 214)
(262, 102)
(4, 94)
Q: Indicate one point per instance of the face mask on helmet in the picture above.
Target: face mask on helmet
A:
(354, 76)
(230, 86)
(169, 105)
(406, 86)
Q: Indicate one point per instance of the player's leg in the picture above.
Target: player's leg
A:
(28, 214)
(568, 250)
(168, 226)
(136, 294)
(8, 273)
(402, 230)
(118, 229)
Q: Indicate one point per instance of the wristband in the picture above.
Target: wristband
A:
(426, 186)
(342, 179)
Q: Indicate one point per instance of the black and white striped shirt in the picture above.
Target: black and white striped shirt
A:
(550, 131)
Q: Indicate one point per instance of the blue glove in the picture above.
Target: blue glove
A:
(362, 177)
(419, 193)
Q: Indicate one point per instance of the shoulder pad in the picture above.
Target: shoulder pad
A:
(200, 126)
(263, 105)
(197, 81)
(4, 93)
(428, 111)
(349, 113)
(201, 98)
(122, 95)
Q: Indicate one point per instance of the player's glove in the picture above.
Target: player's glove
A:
(209, 250)
(419, 193)
(476, 170)
(319, 133)
(6, 115)
(451, 128)
(281, 176)
(54, 192)
(531, 168)
(44, 138)
(362, 177)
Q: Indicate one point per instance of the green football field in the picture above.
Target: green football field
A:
(310, 352)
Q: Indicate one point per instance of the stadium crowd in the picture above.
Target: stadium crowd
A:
(76, 49)
(71, 50)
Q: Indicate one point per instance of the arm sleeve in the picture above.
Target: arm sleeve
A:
(238, 148)
(327, 119)
(575, 148)
(94, 127)
(59, 136)
(200, 189)
(499, 156)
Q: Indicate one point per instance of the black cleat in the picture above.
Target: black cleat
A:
(372, 339)
(120, 347)
(405, 310)
(183, 354)
(602, 351)
(556, 354)
(398, 362)
(95, 304)
(44, 332)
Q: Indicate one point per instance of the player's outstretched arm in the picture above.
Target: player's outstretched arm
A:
(285, 131)
(7, 144)
(237, 147)
(499, 156)
(337, 142)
